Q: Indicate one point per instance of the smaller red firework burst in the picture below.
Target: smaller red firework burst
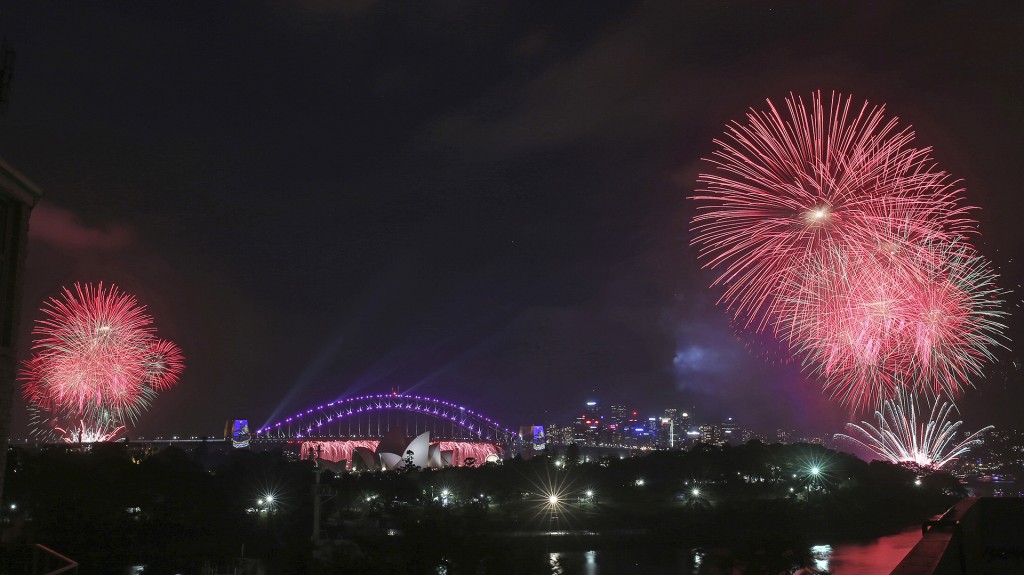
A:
(97, 361)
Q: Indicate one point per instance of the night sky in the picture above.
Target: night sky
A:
(483, 201)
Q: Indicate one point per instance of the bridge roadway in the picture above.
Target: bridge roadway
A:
(978, 535)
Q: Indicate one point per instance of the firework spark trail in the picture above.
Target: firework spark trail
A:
(342, 450)
(839, 320)
(83, 433)
(828, 229)
(870, 325)
(163, 365)
(958, 319)
(789, 187)
(96, 362)
(900, 438)
(336, 451)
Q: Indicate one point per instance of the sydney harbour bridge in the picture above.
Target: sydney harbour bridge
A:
(335, 431)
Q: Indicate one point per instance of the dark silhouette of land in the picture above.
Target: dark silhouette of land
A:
(758, 506)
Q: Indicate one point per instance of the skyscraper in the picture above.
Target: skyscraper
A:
(730, 431)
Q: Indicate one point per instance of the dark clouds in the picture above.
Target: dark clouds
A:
(481, 200)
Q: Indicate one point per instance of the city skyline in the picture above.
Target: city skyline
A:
(483, 203)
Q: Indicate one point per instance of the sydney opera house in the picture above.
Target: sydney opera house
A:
(396, 451)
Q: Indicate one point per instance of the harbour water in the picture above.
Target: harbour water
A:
(878, 556)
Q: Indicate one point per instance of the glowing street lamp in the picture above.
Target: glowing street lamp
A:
(697, 497)
(265, 504)
(554, 505)
(816, 475)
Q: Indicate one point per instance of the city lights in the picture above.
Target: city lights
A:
(266, 504)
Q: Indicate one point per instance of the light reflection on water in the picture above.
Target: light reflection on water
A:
(821, 554)
(556, 564)
(590, 567)
(556, 560)
(878, 556)
(867, 558)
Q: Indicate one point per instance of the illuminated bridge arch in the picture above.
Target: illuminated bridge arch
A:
(372, 416)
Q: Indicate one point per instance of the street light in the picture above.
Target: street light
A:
(553, 507)
(816, 476)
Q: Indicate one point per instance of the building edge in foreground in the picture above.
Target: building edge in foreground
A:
(18, 196)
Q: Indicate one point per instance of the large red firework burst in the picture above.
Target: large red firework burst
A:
(829, 229)
(795, 185)
(96, 362)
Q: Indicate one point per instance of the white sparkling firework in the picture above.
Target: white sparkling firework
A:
(900, 438)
